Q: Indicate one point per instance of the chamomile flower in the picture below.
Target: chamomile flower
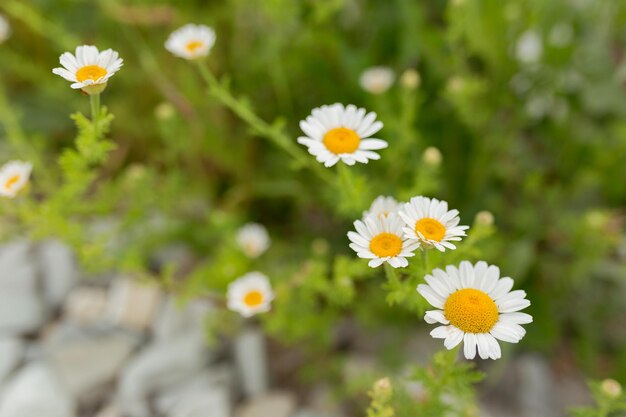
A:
(337, 133)
(253, 239)
(379, 238)
(14, 177)
(89, 69)
(191, 41)
(382, 206)
(476, 306)
(377, 80)
(5, 29)
(430, 222)
(250, 294)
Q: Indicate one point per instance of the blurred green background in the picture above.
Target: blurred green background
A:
(524, 99)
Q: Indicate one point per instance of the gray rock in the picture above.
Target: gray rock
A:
(160, 365)
(174, 320)
(88, 362)
(35, 392)
(276, 404)
(205, 395)
(22, 310)
(251, 360)
(85, 305)
(11, 353)
(58, 270)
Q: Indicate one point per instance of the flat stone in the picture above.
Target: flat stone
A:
(160, 365)
(58, 269)
(36, 391)
(86, 305)
(19, 273)
(110, 411)
(205, 395)
(275, 404)
(88, 362)
(133, 305)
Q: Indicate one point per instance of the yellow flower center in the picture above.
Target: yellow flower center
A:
(193, 45)
(12, 181)
(90, 72)
(341, 140)
(386, 244)
(431, 229)
(471, 310)
(253, 298)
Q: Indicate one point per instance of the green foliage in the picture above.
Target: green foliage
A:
(609, 398)
(198, 150)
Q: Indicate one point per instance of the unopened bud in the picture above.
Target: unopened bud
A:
(611, 388)
(164, 111)
(410, 79)
(432, 156)
(484, 218)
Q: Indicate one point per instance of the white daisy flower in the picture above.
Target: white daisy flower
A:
(476, 306)
(337, 133)
(253, 239)
(430, 222)
(191, 41)
(250, 294)
(377, 80)
(14, 177)
(89, 69)
(382, 206)
(5, 29)
(379, 238)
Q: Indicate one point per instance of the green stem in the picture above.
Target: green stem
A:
(94, 100)
(425, 261)
(264, 129)
(392, 275)
(346, 183)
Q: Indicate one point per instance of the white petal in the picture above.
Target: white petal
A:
(469, 345)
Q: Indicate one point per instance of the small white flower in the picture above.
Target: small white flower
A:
(476, 306)
(383, 206)
(191, 41)
(253, 239)
(89, 69)
(250, 294)
(529, 47)
(337, 133)
(377, 80)
(5, 29)
(430, 222)
(379, 238)
(13, 177)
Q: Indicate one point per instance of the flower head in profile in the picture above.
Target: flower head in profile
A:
(191, 41)
(250, 294)
(5, 29)
(253, 239)
(383, 206)
(337, 133)
(377, 80)
(430, 222)
(476, 306)
(379, 238)
(89, 69)
(14, 177)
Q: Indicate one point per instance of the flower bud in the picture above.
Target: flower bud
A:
(432, 156)
(611, 388)
(484, 218)
(410, 79)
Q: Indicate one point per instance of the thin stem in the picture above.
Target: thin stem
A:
(392, 275)
(425, 261)
(264, 129)
(94, 100)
